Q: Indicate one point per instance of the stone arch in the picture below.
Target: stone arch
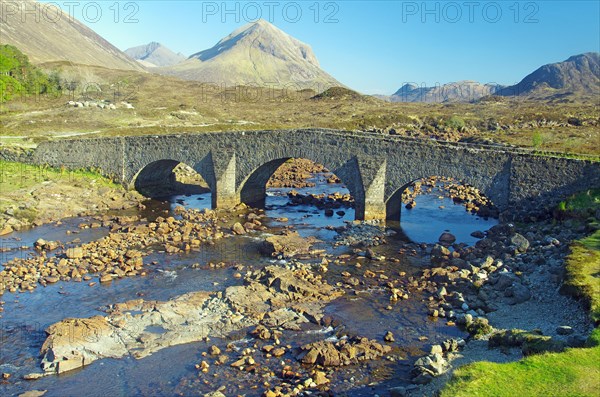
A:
(393, 204)
(157, 179)
(252, 190)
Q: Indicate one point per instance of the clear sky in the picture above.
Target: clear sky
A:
(371, 46)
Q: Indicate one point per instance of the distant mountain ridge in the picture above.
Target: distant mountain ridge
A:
(460, 91)
(155, 54)
(60, 39)
(256, 54)
(578, 74)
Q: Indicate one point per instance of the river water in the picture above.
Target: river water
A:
(171, 371)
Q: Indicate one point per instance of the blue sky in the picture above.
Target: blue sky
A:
(372, 46)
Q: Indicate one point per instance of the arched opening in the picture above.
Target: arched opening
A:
(428, 207)
(168, 178)
(300, 191)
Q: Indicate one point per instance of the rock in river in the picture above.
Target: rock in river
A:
(288, 245)
(276, 296)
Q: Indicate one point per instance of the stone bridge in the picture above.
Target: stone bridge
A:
(375, 168)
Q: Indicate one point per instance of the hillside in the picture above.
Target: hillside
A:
(60, 39)
(580, 74)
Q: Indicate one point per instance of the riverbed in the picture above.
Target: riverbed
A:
(364, 310)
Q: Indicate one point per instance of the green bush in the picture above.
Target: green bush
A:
(456, 123)
(537, 140)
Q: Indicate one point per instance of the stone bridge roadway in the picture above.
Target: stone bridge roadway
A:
(375, 168)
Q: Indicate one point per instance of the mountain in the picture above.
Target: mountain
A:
(460, 91)
(59, 38)
(256, 54)
(578, 74)
(155, 54)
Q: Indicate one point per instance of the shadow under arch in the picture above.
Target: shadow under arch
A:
(158, 179)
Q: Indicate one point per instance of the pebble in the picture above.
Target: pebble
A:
(389, 337)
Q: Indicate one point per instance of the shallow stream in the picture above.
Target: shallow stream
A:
(171, 371)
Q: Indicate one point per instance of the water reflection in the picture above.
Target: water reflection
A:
(433, 215)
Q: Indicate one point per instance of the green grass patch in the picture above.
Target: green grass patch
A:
(583, 206)
(583, 273)
(28, 214)
(583, 263)
(576, 372)
(16, 176)
(588, 200)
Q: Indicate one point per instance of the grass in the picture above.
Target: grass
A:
(576, 372)
(583, 273)
(16, 176)
(583, 263)
(586, 201)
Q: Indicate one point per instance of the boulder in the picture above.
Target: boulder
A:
(66, 347)
(320, 378)
(478, 234)
(479, 327)
(505, 280)
(520, 242)
(564, 330)
(33, 393)
(214, 394)
(288, 245)
(447, 238)
(389, 337)
(238, 229)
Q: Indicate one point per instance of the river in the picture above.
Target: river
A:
(171, 371)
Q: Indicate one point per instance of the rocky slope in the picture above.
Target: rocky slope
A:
(256, 54)
(155, 54)
(59, 38)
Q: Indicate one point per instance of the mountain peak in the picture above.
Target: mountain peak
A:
(262, 22)
(577, 74)
(154, 54)
(257, 53)
(265, 37)
(593, 56)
